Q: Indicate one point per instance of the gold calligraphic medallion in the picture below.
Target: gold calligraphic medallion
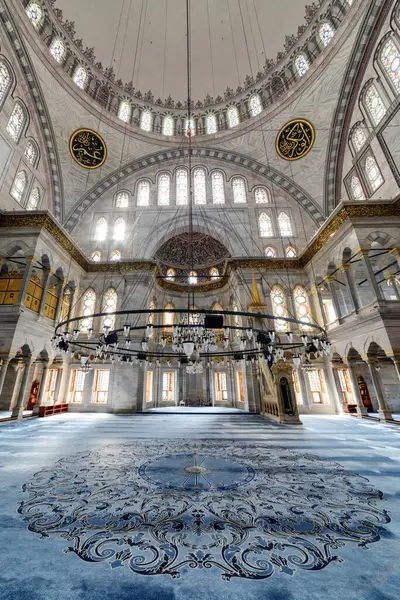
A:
(295, 139)
(88, 148)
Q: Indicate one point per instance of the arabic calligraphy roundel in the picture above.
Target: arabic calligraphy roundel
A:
(295, 139)
(88, 148)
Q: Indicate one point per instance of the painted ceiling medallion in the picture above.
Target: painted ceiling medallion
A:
(88, 148)
(295, 139)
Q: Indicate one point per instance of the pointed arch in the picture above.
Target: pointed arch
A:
(88, 308)
(279, 307)
(110, 299)
(101, 229)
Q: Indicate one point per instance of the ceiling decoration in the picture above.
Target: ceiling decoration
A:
(207, 251)
(295, 139)
(88, 148)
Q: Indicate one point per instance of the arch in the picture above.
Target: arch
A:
(255, 105)
(262, 195)
(35, 14)
(115, 255)
(285, 225)
(233, 116)
(163, 191)
(190, 127)
(265, 225)
(372, 173)
(199, 185)
(214, 273)
(143, 192)
(211, 123)
(168, 317)
(389, 59)
(270, 252)
(31, 152)
(58, 49)
(6, 80)
(96, 256)
(119, 229)
(101, 229)
(87, 309)
(19, 185)
(168, 125)
(146, 120)
(17, 121)
(325, 33)
(279, 307)
(80, 77)
(33, 200)
(192, 278)
(125, 111)
(181, 186)
(218, 187)
(170, 275)
(302, 306)
(122, 199)
(373, 104)
(110, 299)
(301, 64)
(356, 188)
(358, 137)
(290, 252)
(239, 190)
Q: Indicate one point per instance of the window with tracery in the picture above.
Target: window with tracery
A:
(290, 252)
(270, 252)
(170, 275)
(218, 187)
(143, 193)
(35, 13)
(279, 309)
(265, 225)
(18, 186)
(100, 386)
(285, 225)
(122, 200)
(119, 229)
(58, 49)
(302, 65)
(239, 190)
(168, 317)
(5, 80)
(16, 122)
(221, 388)
(76, 386)
(115, 255)
(199, 186)
(214, 273)
(390, 58)
(233, 116)
(373, 173)
(96, 256)
(192, 279)
(164, 184)
(374, 104)
(168, 125)
(182, 187)
(325, 33)
(101, 229)
(109, 306)
(211, 123)
(33, 200)
(88, 306)
(261, 195)
(358, 138)
(80, 77)
(255, 105)
(146, 120)
(125, 111)
(190, 127)
(31, 153)
(357, 191)
(301, 306)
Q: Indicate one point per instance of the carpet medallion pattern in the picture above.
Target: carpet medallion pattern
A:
(241, 510)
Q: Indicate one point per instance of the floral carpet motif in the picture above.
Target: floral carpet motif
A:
(243, 510)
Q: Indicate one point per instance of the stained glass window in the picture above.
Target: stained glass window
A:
(170, 275)
(35, 13)
(125, 111)
(88, 305)
(279, 307)
(302, 65)
(31, 152)
(199, 185)
(101, 229)
(122, 200)
(119, 229)
(181, 187)
(115, 255)
(143, 193)
(265, 225)
(168, 125)
(270, 252)
(146, 120)
(239, 190)
(164, 184)
(16, 122)
(356, 188)
(390, 57)
(373, 173)
(290, 252)
(214, 273)
(33, 200)
(18, 186)
(190, 127)
(5, 80)
(325, 33)
(109, 306)
(80, 77)
(57, 49)
(192, 279)
(233, 116)
(285, 225)
(374, 103)
(96, 256)
(211, 123)
(358, 138)
(255, 105)
(218, 187)
(301, 306)
(261, 195)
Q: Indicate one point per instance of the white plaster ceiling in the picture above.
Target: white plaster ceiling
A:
(230, 39)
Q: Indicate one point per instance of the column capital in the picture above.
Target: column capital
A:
(344, 267)
(363, 251)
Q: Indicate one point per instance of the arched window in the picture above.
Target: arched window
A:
(190, 127)
(18, 186)
(356, 188)
(150, 318)
(143, 193)
(35, 14)
(168, 125)
(374, 104)
(325, 33)
(265, 225)
(33, 200)
(101, 229)
(119, 229)
(192, 279)
(125, 111)
(358, 138)
(233, 116)
(218, 187)
(96, 256)
(88, 306)
(168, 317)
(285, 225)
(80, 77)
(58, 50)
(290, 252)
(122, 200)
(146, 120)
(199, 185)
(181, 187)
(279, 309)
(255, 105)
(164, 184)
(302, 65)
(16, 122)
(390, 58)
(211, 123)
(170, 275)
(109, 306)
(261, 195)
(270, 252)
(373, 173)
(214, 273)
(115, 255)
(301, 306)
(5, 80)
(31, 153)
(239, 190)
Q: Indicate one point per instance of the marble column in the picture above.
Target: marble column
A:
(3, 372)
(25, 280)
(42, 389)
(19, 408)
(345, 269)
(384, 412)
(59, 301)
(361, 409)
(338, 388)
(60, 371)
(331, 285)
(364, 253)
